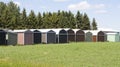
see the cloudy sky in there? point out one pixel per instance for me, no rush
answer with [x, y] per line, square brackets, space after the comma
[106, 12]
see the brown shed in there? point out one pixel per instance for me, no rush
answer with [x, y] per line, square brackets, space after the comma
[101, 36]
[80, 36]
[94, 38]
[25, 37]
[94, 35]
[71, 35]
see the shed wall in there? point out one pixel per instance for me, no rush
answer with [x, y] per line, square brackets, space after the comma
[12, 38]
[2, 38]
[37, 38]
[20, 39]
[51, 38]
[44, 38]
[28, 38]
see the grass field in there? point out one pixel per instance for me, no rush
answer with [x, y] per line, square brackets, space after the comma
[61, 55]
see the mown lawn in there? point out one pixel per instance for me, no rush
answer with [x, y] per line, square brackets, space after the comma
[61, 55]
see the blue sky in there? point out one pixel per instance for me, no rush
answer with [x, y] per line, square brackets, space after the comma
[106, 12]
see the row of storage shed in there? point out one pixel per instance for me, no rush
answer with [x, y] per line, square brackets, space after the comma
[36, 36]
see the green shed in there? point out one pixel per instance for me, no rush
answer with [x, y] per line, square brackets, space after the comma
[12, 38]
[113, 37]
[88, 37]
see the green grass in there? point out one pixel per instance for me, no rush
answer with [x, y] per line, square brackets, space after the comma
[61, 55]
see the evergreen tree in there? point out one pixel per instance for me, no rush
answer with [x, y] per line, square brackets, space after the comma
[31, 24]
[62, 20]
[14, 15]
[23, 19]
[39, 23]
[2, 11]
[5, 18]
[10, 17]
[71, 20]
[46, 23]
[86, 22]
[53, 20]
[94, 24]
[79, 21]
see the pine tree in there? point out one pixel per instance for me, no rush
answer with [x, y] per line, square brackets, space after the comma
[46, 23]
[62, 20]
[86, 22]
[23, 19]
[10, 17]
[14, 15]
[79, 22]
[71, 20]
[39, 23]
[32, 20]
[5, 18]
[2, 11]
[53, 19]
[94, 24]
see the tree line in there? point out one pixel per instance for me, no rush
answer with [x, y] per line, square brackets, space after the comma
[12, 18]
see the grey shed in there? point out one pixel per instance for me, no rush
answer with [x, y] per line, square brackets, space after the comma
[12, 38]
[48, 36]
[88, 37]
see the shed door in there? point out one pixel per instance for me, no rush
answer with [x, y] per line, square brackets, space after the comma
[51, 38]
[2, 38]
[37, 38]
[94, 38]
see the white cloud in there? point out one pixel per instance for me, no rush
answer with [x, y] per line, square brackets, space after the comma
[79, 6]
[100, 11]
[84, 5]
[17, 3]
[99, 6]
[60, 0]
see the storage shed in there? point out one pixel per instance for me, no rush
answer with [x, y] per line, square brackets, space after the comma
[94, 35]
[80, 36]
[37, 37]
[63, 36]
[48, 36]
[12, 38]
[57, 34]
[88, 37]
[113, 37]
[71, 35]
[101, 36]
[24, 37]
[3, 37]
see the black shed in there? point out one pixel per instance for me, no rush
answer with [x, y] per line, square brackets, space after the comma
[63, 37]
[3, 37]
[80, 36]
[71, 35]
[37, 36]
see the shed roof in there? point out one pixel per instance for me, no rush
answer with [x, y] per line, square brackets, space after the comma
[23, 30]
[94, 32]
[75, 30]
[113, 33]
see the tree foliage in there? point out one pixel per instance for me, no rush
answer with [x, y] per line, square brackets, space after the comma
[12, 18]
[94, 24]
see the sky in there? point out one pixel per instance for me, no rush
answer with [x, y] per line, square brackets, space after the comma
[106, 12]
